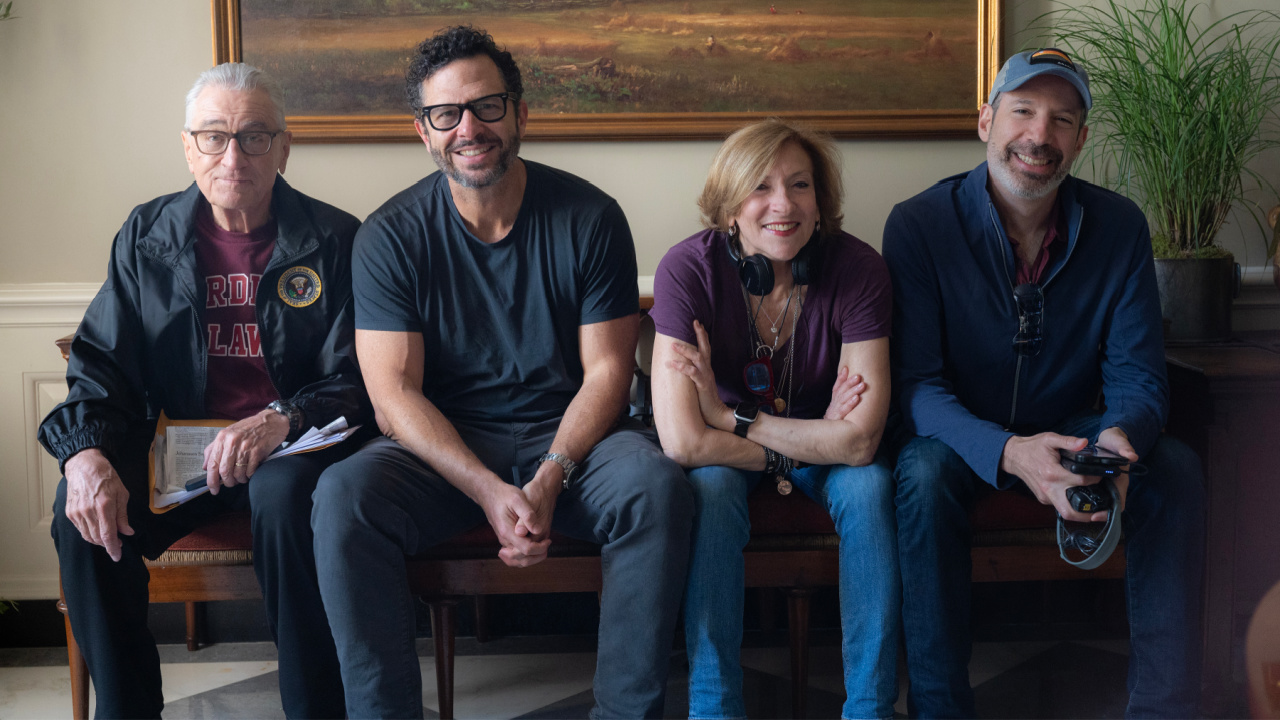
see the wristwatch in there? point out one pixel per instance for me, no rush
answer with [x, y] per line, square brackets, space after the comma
[570, 467]
[744, 414]
[290, 411]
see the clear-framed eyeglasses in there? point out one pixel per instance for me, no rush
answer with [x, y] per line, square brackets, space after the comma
[216, 142]
[447, 116]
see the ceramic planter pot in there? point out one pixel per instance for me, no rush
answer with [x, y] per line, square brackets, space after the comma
[1273, 217]
[1195, 298]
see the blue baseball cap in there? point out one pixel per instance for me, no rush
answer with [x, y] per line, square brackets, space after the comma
[1046, 61]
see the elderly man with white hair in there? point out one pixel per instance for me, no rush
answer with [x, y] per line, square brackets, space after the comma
[230, 300]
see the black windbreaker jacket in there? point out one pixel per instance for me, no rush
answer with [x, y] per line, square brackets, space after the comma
[141, 347]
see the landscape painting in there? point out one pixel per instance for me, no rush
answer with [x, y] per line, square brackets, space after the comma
[635, 68]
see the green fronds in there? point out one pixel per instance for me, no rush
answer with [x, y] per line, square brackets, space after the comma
[1180, 107]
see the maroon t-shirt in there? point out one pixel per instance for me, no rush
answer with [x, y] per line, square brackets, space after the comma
[850, 301]
[232, 264]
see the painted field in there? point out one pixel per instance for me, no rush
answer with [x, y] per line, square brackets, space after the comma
[609, 56]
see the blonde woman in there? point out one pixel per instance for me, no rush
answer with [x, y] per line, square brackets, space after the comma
[772, 363]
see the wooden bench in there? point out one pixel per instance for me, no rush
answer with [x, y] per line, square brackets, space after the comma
[1013, 541]
[793, 547]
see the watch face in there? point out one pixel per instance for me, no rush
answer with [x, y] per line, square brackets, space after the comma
[746, 412]
[290, 411]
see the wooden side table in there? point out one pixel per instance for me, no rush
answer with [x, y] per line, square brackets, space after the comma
[1226, 405]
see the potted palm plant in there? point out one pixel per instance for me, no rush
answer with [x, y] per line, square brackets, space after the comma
[1181, 105]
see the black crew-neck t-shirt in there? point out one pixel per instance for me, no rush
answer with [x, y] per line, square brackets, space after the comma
[500, 320]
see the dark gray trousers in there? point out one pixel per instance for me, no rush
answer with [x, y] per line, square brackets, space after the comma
[384, 503]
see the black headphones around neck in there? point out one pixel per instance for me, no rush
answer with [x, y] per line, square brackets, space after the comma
[756, 271]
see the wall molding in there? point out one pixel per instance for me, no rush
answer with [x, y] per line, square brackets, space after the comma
[44, 304]
[1256, 275]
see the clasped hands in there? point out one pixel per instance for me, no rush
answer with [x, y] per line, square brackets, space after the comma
[1036, 461]
[695, 364]
[521, 517]
[97, 500]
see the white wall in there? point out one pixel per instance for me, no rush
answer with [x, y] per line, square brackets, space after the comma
[91, 96]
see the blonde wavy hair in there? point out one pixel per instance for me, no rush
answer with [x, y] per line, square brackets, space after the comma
[747, 156]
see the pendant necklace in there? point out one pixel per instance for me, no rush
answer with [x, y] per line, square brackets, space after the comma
[788, 364]
[784, 485]
[763, 353]
[758, 373]
[782, 316]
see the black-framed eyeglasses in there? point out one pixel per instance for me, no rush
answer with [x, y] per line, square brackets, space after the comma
[216, 142]
[447, 116]
[1030, 336]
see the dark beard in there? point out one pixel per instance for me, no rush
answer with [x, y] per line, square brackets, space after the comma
[506, 156]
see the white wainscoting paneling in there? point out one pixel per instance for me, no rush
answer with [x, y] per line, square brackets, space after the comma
[32, 382]
[43, 392]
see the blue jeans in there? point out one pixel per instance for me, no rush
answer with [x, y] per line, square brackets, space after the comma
[860, 500]
[384, 503]
[1164, 525]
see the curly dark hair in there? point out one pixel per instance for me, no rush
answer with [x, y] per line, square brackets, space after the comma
[456, 43]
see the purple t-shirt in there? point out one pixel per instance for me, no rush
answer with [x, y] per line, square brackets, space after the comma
[850, 301]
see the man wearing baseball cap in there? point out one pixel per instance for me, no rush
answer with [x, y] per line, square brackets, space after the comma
[1027, 325]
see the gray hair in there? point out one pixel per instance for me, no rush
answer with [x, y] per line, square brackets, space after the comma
[241, 77]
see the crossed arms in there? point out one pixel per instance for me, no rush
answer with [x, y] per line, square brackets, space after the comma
[697, 427]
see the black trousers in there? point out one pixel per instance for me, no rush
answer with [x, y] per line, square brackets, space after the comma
[107, 601]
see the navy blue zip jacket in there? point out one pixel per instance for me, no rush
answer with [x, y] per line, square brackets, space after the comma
[953, 273]
[141, 347]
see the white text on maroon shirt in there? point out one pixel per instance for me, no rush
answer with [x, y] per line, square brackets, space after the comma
[241, 339]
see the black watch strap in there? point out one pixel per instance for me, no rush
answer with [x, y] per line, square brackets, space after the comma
[290, 411]
[744, 414]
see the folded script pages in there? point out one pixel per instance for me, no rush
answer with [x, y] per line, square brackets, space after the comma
[177, 455]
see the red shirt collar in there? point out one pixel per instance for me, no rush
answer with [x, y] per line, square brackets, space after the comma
[1033, 272]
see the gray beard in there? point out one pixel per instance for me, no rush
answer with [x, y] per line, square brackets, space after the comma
[1022, 187]
[506, 156]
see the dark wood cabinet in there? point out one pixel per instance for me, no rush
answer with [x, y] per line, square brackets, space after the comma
[1226, 405]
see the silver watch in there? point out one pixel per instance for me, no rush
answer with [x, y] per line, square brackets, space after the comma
[570, 467]
[291, 412]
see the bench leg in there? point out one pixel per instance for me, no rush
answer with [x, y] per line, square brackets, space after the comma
[79, 668]
[482, 617]
[768, 603]
[442, 632]
[798, 619]
[195, 625]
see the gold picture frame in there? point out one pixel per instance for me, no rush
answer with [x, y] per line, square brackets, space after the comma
[332, 127]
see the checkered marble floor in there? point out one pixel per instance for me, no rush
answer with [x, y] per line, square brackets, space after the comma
[551, 678]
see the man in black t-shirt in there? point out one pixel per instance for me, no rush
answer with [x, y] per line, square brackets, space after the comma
[497, 318]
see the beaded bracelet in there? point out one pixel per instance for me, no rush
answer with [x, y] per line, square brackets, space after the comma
[779, 466]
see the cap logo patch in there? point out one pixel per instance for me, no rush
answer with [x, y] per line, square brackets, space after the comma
[299, 286]
[1051, 55]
